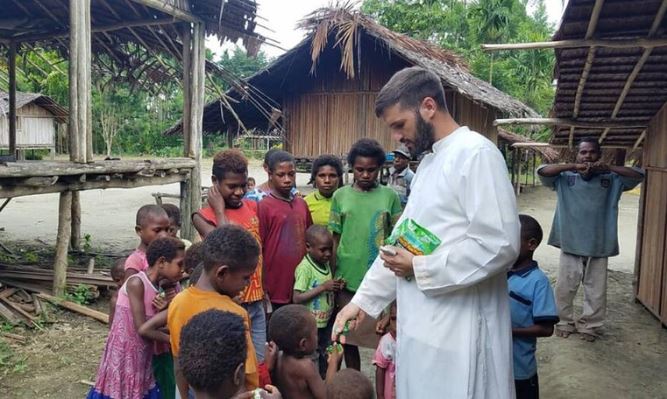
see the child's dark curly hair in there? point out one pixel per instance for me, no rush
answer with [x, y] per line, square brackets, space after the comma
[173, 213]
[277, 158]
[289, 325]
[327, 160]
[230, 245]
[167, 248]
[213, 344]
[193, 257]
[368, 148]
[349, 384]
[146, 212]
[229, 161]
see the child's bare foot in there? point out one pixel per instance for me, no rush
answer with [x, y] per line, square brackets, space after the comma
[562, 333]
[588, 337]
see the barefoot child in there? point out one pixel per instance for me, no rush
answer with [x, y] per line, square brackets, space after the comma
[385, 360]
[362, 217]
[226, 205]
[349, 384]
[314, 287]
[230, 259]
[117, 273]
[152, 223]
[283, 220]
[533, 309]
[327, 175]
[125, 369]
[294, 330]
[212, 357]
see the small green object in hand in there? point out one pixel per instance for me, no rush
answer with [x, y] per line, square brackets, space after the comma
[335, 346]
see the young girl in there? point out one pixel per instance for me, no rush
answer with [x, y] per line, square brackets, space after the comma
[125, 368]
[327, 176]
[384, 360]
[362, 216]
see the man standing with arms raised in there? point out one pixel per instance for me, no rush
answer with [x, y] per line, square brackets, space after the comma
[454, 334]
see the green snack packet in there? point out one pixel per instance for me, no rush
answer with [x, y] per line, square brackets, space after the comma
[414, 238]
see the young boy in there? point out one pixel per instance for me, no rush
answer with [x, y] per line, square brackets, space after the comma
[283, 220]
[400, 175]
[533, 308]
[327, 176]
[294, 331]
[213, 353]
[152, 223]
[314, 286]
[174, 215]
[362, 217]
[251, 191]
[227, 205]
[230, 259]
[349, 384]
[193, 258]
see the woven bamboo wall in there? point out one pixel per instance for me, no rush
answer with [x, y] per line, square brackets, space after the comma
[327, 113]
[652, 287]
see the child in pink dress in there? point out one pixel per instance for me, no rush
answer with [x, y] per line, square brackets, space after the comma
[125, 368]
[384, 360]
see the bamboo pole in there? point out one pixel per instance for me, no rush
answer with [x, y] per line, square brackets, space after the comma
[12, 99]
[179, 13]
[560, 44]
[567, 122]
[62, 242]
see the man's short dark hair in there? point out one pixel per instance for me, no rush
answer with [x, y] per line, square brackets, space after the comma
[590, 140]
[327, 160]
[530, 228]
[213, 344]
[288, 326]
[230, 245]
[166, 247]
[147, 212]
[408, 87]
[368, 148]
[229, 161]
[349, 384]
[279, 157]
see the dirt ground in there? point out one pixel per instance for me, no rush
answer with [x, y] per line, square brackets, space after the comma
[630, 361]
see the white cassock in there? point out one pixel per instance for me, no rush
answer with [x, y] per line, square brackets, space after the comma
[454, 332]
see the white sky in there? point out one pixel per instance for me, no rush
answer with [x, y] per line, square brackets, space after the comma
[281, 16]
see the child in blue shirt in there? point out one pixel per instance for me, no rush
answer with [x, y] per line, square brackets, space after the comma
[533, 309]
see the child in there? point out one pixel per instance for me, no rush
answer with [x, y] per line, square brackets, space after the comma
[327, 176]
[349, 384]
[283, 220]
[213, 353]
[362, 217]
[294, 330]
[384, 360]
[117, 273]
[227, 205]
[230, 259]
[533, 309]
[193, 258]
[314, 286]
[251, 192]
[125, 369]
[174, 215]
[152, 223]
[400, 175]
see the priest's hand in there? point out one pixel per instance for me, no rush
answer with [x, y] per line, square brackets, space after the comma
[350, 313]
[400, 264]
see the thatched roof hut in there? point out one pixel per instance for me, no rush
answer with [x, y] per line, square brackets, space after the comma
[321, 93]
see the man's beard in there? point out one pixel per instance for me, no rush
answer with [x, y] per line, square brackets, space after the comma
[424, 136]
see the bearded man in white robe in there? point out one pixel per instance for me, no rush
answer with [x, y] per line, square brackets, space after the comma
[454, 335]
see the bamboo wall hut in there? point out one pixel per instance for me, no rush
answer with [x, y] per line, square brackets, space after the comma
[36, 119]
[612, 85]
[144, 42]
[324, 89]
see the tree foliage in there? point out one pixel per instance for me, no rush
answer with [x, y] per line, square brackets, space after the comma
[463, 26]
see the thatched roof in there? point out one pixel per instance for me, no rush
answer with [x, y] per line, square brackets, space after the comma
[134, 40]
[344, 29]
[22, 99]
[548, 154]
[617, 87]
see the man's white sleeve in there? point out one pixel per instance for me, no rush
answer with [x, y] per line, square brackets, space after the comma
[377, 290]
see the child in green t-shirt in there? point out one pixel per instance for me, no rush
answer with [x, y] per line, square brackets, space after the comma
[314, 286]
[362, 217]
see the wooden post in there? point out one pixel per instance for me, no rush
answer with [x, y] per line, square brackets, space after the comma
[62, 243]
[186, 39]
[12, 99]
[75, 239]
[197, 93]
[79, 81]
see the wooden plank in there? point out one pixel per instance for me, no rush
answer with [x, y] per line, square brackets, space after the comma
[8, 315]
[179, 13]
[559, 44]
[75, 307]
[568, 122]
[15, 337]
[29, 318]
